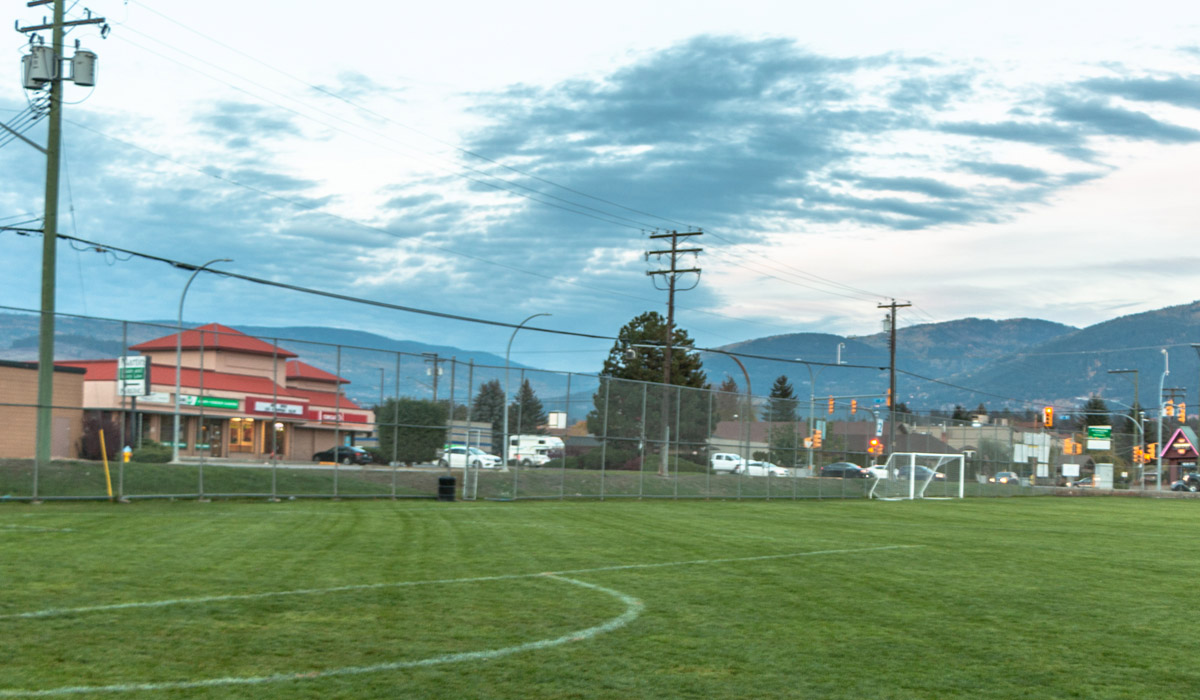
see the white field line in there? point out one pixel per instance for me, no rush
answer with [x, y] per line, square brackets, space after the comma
[33, 528]
[633, 608]
[55, 612]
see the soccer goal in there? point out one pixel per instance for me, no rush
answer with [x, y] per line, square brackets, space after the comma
[912, 475]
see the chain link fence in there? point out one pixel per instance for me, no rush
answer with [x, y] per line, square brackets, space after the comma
[314, 416]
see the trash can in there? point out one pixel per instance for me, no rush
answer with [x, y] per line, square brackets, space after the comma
[446, 486]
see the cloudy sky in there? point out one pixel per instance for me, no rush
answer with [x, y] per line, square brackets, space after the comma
[496, 160]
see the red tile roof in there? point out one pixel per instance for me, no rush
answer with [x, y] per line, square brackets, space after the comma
[302, 370]
[214, 336]
[164, 375]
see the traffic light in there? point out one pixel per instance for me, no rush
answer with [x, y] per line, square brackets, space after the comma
[1139, 456]
[1068, 446]
[1182, 412]
[816, 439]
[875, 447]
[1152, 451]
[1169, 408]
[853, 406]
[831, 404]
[1048, 416]
[889, 398]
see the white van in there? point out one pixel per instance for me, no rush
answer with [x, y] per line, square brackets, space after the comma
[726, 462]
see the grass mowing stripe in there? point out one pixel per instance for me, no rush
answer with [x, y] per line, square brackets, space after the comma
[633, 608]
[55, 612]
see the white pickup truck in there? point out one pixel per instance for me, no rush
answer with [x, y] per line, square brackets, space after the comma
[726, 463]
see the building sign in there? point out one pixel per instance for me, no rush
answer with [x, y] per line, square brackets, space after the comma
[156, 397]
[133, 375]
[209, 402]
[270, 408]
[335, 416]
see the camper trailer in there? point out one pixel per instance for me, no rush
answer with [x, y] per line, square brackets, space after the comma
[534, 450]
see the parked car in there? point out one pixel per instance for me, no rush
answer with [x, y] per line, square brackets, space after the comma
[1189, 482]
[877, 470]
[1086, 482]
[922, 473]
[725, 462]
[1005, 478]
[759, 468]
[845, 470]
[345, 455]
[459, 457]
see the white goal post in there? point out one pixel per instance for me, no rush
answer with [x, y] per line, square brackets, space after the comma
[913, 475]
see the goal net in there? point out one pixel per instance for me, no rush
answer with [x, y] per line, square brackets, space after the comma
[912, 475]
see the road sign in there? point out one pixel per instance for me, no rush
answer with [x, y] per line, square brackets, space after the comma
[1099, 437]
[133, 374]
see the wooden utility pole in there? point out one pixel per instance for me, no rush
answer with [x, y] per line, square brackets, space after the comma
[891, 446]
[45, 393]
[672, 275]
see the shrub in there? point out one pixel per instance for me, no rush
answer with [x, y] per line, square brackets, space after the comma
[152, 452]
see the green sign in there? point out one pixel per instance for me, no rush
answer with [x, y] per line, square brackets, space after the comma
[133, 373]
[1099, 432]
[209, 401]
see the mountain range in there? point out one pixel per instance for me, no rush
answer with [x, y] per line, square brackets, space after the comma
[1015, 364]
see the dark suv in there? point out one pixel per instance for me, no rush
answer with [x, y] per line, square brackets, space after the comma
[846, 470]
[345, 455]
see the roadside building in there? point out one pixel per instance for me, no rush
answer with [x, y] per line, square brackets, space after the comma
[239, 397]
[18, 410]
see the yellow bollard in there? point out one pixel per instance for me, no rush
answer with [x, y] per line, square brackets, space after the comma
[104, 455]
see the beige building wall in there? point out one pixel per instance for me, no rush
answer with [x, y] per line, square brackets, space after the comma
[18, 423]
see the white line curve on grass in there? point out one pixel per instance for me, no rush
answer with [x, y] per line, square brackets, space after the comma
[633, 608]
[200, 600]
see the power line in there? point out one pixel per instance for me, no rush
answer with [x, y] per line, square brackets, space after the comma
[808, 276]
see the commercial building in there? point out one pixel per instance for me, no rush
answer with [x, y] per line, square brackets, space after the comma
[18, 410]
[239, 397]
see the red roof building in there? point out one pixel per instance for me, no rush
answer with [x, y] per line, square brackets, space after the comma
[239, 397]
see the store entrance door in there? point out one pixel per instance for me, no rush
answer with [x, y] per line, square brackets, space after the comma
[241, 435]
[212, 437]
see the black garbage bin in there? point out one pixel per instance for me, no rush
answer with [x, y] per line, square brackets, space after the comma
[446, 488]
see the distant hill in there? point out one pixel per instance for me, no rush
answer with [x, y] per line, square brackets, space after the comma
[934, 350]
[1005, 363]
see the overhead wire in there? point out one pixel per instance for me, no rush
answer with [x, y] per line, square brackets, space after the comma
[376, 229]
[474, 154]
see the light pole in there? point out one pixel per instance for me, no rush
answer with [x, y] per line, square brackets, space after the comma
[179, 355]
[1136, 399]
[1158, 446]
[504, 429]
[812, 396]
[1196, 347]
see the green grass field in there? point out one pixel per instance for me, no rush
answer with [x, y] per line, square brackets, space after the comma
[983, 598]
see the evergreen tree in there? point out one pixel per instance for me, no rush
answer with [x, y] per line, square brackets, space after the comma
[526, 414]
[488, 407]
[728, 400]
[781, 404]
[1095, 412]
[415, 427]
[635, 408]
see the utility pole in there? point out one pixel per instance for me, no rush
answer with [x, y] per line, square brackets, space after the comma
[432, 357]
[672, 275]
[42, 67]
[892, 372]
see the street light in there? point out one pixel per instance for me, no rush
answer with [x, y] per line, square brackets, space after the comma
[504, 429]
[1161, 383]
[179, 355]
[812, 396]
